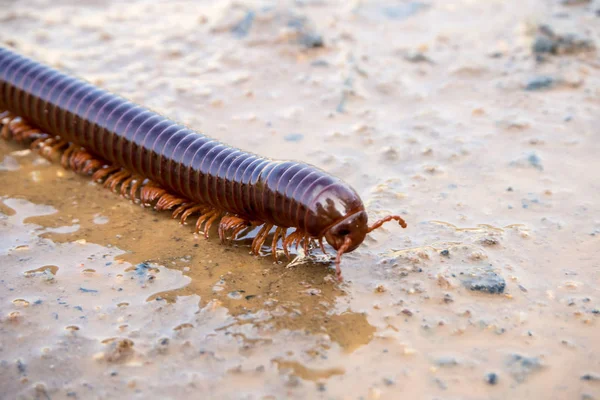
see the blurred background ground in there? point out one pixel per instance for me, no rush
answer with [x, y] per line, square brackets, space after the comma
[476, 120]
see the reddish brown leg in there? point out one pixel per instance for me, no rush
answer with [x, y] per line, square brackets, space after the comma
[239, 228]
[51, 152]
[289, 241]
[104, 172]
[114, 180]
[338, 258]
[387, 219]
[210, 222]
[230, 222]
[150, 192]
[125, 186]
[133, 193]
[322, 246]
[203, 218]
[64, 159]
[305, 243]
[279, 232]
[31, 134]
[168, 201]
[260, 238]
[190, 211]
[6, 120]
[298, 240]
[224, 223]
[179, 210]
[42, 143]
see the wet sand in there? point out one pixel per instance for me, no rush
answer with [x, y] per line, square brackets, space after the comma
[476, 121]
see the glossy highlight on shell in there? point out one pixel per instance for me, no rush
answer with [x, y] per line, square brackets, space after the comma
[160, 163]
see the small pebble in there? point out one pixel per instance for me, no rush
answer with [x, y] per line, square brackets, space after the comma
[491, 378]
[539, 83]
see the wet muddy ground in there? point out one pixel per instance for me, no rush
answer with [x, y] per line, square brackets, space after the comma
[475, 120]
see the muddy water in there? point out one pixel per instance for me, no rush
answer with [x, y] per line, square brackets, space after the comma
[439, 111]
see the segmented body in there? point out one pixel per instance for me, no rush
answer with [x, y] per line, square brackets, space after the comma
[156, 159]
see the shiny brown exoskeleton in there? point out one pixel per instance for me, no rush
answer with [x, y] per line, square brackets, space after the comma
[161, 162]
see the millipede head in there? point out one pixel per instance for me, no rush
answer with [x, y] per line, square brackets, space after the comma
[350, 231]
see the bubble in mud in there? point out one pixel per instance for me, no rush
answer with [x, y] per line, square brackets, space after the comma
[14, 316]
[46, 270]
[183, 326]
[100, 219]
[21, 303]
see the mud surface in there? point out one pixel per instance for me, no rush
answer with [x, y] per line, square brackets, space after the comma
[476, 120]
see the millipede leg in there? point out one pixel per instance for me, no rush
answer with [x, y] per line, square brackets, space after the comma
[203, 218]
[64, 159]
[103, 173]
[167, 201]
[278, 232]
[5, 121]
[114, 180]
[260, 238]
[134, 188]
[322, 246]
[210, 222]
[52, 151]
[189, 210]
[125, 185]
[236, 229]
[150, 192]
[338, 258]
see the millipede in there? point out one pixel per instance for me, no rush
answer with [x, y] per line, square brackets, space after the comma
[160, 163]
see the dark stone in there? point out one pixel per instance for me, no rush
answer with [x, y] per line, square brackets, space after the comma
[535, 161]
[445, 253]
[446, 362]
[548, 42]
[389, 381]
[591, 377]
[574, 2]
[320, 63]
[403, 10]
[417, 57]
[306, 35]
[84, 290]
[487, 281]
[311, 40]
[293, 137]
[242, 28]
[521, 367]
[540, 83]
[544, 44]
[142, 268]
[21, 367]
[491, 378]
